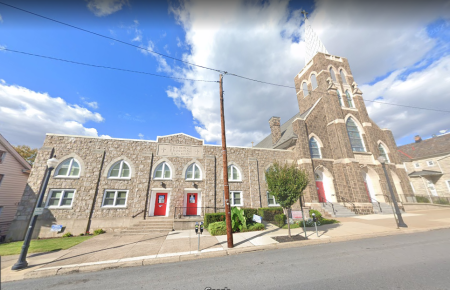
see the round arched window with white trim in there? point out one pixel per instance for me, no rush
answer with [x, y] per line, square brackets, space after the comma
[314, 148]
[344, 81]
[163, 171]
[193, 172]
[383, 152]
[305, 89]
[233, 173]
[341, 102]
[332, 74]
[313, 81]
[120, 169]
[355, 136]
[349, 99]
[68, 168]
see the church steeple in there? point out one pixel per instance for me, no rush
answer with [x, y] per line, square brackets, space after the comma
[313, 43]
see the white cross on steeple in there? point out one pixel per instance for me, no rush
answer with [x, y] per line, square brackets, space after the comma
[313, 43]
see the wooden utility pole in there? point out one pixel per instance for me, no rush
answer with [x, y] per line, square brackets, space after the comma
[225, 170]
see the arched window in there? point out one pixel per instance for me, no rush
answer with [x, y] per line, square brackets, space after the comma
[233, 173]
[305, 90]
[120, 169]
[383, 152]
[340, 98]
[355, 136]
[344, 81]
[314, 148]
[193, 172]
[68, 168]
[333, 75]
[313, 81]
[163, 171]
[349, 99]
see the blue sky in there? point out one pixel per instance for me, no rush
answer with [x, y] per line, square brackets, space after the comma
[260, 39]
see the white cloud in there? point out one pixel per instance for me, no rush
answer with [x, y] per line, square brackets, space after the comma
[426, 89]
[258, 41]
[141, 136]
[105, 7]
[93, 105]
[26, 116]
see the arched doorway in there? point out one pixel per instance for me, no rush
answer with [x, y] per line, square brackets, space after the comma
[372, 184]
[398, 186]
[324, 185]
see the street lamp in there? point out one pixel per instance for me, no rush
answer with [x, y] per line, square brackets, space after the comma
[401, 223]
[22, 262]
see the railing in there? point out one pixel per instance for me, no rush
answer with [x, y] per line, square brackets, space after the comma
[193, 211]
[348, 201]
[433, 199]
[137, 214]
[324, 201]
[379, 205]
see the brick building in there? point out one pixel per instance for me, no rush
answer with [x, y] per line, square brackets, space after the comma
[113, 183]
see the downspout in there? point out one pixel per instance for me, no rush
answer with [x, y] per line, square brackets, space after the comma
[148, 188]
[215, 184]
[91, 212]
[259, 183]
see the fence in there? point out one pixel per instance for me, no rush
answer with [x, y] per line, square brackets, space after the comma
[433, 199]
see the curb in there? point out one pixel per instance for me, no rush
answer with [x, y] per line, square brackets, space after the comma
[189, 256]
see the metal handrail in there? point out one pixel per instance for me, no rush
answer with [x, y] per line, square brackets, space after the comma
[346, 200]
[379, 205]
[137, 214]
[325, 201]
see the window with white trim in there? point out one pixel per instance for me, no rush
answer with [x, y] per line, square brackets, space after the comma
[163, 171]
[233, 173]
[60, 198]
[193, 172]
[2, 156]
[305, 89]
[430, 163]
[68, 168]
[341, 102]
[236, 198]
[344, 81]
[332, 74]
[314, 148]
[383, 152]
[416, 164]
[115, 198]
[349, 99]
[355, 136]
[271, 200]
[313, 81]
[120, 169]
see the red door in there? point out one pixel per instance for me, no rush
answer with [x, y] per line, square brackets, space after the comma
[160, 204]
[191, 204]
[321, 191]
[367, 190]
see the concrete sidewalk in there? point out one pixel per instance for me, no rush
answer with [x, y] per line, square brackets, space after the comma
[108, 251]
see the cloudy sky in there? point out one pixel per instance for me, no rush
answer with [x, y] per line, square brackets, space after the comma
[398, 54]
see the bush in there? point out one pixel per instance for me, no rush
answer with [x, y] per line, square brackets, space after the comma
[255, 227]
[324, 221]
[98, 232]
[249, 212]
[67, 235]
[238, 220]
[280, 220]
[294, 226]
[214, 217]
[217, 228]
[422, 199]
[82, 234]
[441, 201]
[317, 213]
[268, 213]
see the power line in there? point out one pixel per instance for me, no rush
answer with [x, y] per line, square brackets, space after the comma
[110, 38]
[102, 66]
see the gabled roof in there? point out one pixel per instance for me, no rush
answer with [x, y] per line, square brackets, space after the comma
[436, 146]
[287, 132]
[14, 153]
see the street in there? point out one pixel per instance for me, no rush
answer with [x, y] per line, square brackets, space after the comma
[408, 261]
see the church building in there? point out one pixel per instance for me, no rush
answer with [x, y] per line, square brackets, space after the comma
[115, 183]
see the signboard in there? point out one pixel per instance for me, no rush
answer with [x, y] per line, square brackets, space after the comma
[180, 150]
[297, 214]
[257, 218]
[38, 211]
[56, 228]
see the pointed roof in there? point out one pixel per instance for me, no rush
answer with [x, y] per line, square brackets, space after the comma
[313, 43]
[14, 153]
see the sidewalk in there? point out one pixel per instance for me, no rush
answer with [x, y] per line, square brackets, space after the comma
[108, 251]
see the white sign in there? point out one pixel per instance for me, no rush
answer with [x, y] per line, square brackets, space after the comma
[38, 211]
[296, 215]
[257, 218]
[56, 228]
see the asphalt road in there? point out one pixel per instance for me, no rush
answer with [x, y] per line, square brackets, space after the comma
[410, 261]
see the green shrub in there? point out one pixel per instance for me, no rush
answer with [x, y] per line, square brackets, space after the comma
[324, 221]
[238, 220]
[82, 234]
[249, 212]
[67, 235]
[98, 232]
[254, 227]
[268, 213]
[317, 213]
[217, 228]
[294, 226]
[422, 199]
[280, 220]
[441, 201]
[214, 217]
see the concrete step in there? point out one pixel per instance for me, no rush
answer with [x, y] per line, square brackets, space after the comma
[385, 208]
[339, 210]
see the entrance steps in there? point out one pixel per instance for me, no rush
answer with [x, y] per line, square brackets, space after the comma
[148, 226]
[339, 210]
[386, 208]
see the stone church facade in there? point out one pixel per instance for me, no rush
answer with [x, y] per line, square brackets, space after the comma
[114, 183]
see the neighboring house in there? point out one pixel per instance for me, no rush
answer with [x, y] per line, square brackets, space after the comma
[14, 172]
[427, 163]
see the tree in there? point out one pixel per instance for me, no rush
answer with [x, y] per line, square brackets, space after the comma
[27, 153]
[286, 183]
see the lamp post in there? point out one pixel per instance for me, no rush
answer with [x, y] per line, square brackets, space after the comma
[401, 223]
[22, 262]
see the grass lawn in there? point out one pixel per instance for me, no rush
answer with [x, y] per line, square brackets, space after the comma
[44, 245]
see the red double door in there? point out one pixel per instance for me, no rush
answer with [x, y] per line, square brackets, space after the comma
[321, 191]
[160, 204]
[192, 200]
